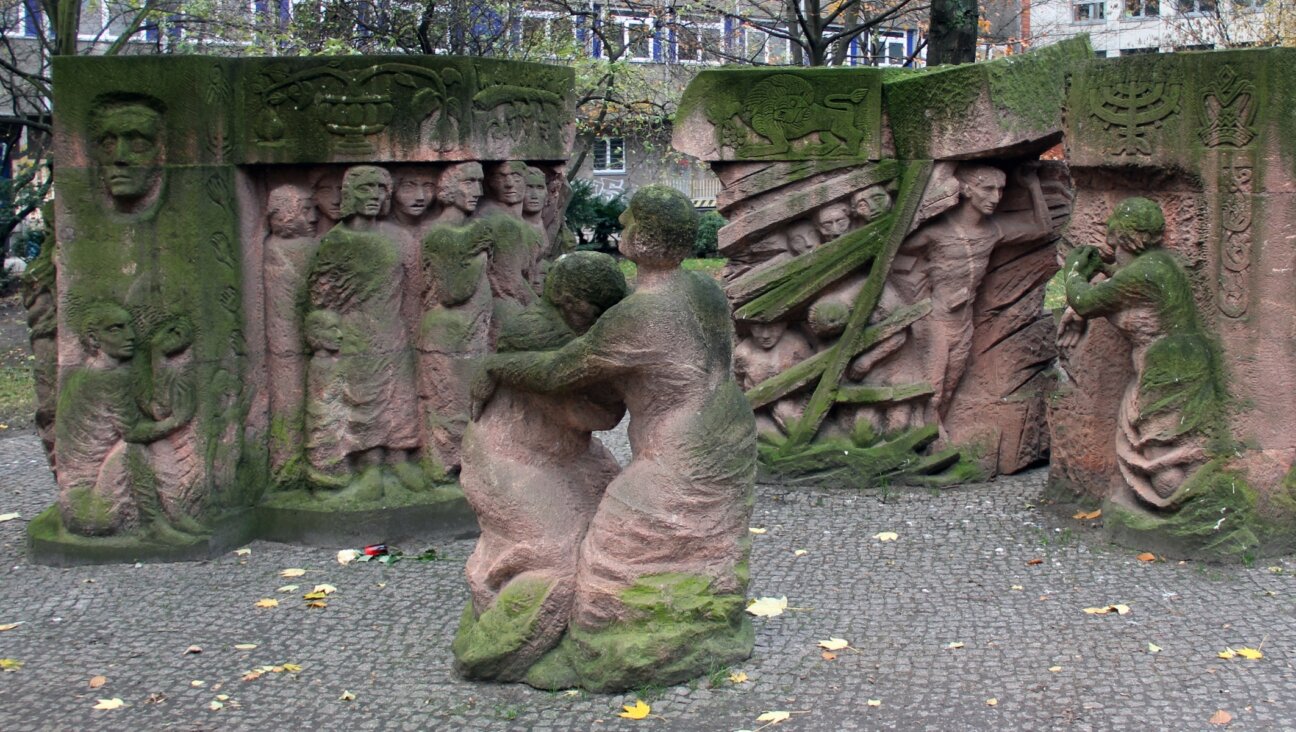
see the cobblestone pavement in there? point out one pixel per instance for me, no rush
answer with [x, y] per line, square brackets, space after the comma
[976, 565]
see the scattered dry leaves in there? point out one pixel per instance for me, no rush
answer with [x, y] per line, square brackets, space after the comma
[267, 602]
[113, 703]
[768, 607]
[98, 681]
[292, 572]
[1220, 717]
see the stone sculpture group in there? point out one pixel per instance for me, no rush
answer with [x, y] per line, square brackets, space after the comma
[320, 300]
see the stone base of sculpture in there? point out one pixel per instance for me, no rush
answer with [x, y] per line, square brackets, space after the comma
[299, 518]
[49, 542]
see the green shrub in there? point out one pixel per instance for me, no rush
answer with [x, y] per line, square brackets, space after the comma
[707, 243]
[594, 219]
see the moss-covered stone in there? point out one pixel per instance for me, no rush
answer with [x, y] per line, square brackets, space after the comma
[485, 644]
[681, 629]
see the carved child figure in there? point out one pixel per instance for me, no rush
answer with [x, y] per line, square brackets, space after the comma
[326, 411]
[1177, 394]
[771, 349]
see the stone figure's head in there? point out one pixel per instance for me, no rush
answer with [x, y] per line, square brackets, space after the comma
[326, 187]
[366, 192]
[870, 204]
[832, 221]
[460, 186]
[802, 237]
[767, 335]
[415, 191]
[1135, 225]
[106, 328]
[537, 191]
[508, 182]
[981, 186]
[660, 226]
[126, 146]
[322, 330]
[291, 212]
[174, 335]
[582, 285]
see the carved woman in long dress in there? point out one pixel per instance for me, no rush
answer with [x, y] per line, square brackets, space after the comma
[1177, 394]
[534, 476]
[359, 274]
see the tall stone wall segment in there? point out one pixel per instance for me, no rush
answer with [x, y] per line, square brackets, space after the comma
[890, 234]
[1205, 137]
[270, 274]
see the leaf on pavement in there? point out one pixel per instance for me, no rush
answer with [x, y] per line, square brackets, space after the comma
[834, 644]
[992, 702]
[1106, 609]
[756, 530]
[11, 626]
[1146, 557]
[113, 703]
[828, 656]
[954, 644]
[768, 607]
[289, 588]
[10, 664]
[317, 604]
[325, 589]
[243, 551]
[1251, 654]
[244, 646]
[874, 702]
[1088, 515]
[8, 517]
[1154, 648]
[292, 572]
[886, 536]
[638, 710]
[737, 677]
[800, 552]
[347, 556]
[267, 602]
[1220, 717]
[192, 649]
[774, 717]
[1033, 562]
[98, 681]
[346, 696]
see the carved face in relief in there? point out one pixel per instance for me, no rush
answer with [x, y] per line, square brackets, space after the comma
[366, 192]
[802, 237]
[127, 149]
[327, 192]
[767, 335]
[415, 191]
[323, 331]
[291, 212]
[537, 192]
[508, 182]
[981, 186]
[108, 330]
[174, 335]
[870, 204]
[460, 186]
[832, 221]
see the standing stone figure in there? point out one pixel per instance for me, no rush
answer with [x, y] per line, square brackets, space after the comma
[358, 273]
[289, 249]
[953, 254]
[1176, 398]
[39, 297]
[326, 188]
[772, 349]
[127, 151]
[534, 476]
[665, 559]
[168, 401]
[533, 201]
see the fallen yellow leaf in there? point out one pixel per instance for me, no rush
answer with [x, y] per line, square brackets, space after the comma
[737, 677]
[289, 588]
[1055, 669]
[98, 681]
[1275, 570]
[800, 552]
[768, 607]
[252, 675]
[244, 646]
[834, 644]
[267, 602]
[292, 668]
[1220, 717]
[346, 696]
[954, 644]
[874, 702]
[828, 656]
[317, 604]
[243, 551]
[292, 572]
[314, 596]
[638, 710]
[10, 626]
[774, 717]
[755, 530]
[1016, 588]
[1105, 609]
[326, 589]
[1154, 648]
[1089, 515]
[886, 536]
[113, 703]
[10, 664]
[1146, 557]
[215, 705]
[992, 702]
[7, 517]
[197, 683]
[1252, 654]
[1121, 609]
[192, 649]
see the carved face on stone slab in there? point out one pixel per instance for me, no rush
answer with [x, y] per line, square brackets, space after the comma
[327, 191]
[415, 191]
[128, 149]
[323, 331]
[508, 182]
[460, 186]
[107, 329]
[802, 237]
[291, 212]
[537, 192]
[981, 186]
[832, 221]
[366, 192]
[870, 204]
[767, 335]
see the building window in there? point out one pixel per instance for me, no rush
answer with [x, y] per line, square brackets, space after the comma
[889, 49]
[1142, 8]
[696, 41]
[32, 18]
[636, 37]
[761, 48]
[1090, 12]
[1139, 51]
[1248, 4]
[609, 155]
[1197, 7]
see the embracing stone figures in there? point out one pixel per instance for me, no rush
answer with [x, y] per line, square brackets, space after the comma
[640, 577]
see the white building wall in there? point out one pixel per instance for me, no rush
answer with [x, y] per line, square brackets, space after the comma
[1119, 32]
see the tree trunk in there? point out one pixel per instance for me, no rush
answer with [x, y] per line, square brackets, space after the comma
[952, 38]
